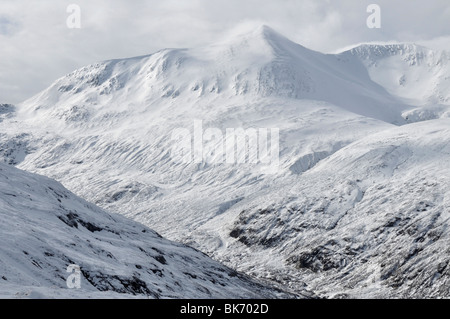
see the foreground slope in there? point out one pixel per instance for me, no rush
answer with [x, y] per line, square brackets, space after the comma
[44, 228]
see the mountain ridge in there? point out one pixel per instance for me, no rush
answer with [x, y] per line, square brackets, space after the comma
[260, 63]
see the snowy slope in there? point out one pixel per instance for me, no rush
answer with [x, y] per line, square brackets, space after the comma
[415, 74]
[131, 171]
[44, 228]
[412, 72]
[372, 220]
[104, 131]
[5, 111]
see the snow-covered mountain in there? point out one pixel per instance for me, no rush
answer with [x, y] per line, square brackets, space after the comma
[412, 72]
[45, 228]
[345, 124]
[253, 65]
[371, 220]
[415, 74]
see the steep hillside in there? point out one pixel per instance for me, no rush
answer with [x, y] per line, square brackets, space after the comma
[44, 229]
[415, 74]
[372, 220]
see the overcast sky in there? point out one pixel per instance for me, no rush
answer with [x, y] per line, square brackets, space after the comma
[37, 47]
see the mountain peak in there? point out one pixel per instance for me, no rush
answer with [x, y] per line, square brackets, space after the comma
[262, 36]
[268, 33]
[273, 37]
[261, 31]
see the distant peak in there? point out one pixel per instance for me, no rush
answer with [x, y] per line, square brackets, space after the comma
[262, 38]
[268, 33]
[260, 33]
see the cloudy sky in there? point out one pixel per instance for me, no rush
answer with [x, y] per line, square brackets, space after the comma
[37, 47]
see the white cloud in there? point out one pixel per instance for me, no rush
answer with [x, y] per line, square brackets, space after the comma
[36, 47]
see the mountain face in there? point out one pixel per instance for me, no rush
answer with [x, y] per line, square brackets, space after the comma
[370, 220]
[357, 205]
[414, 74]
[259, 64]
[5, 111]
[411, 72]
[45, 228]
